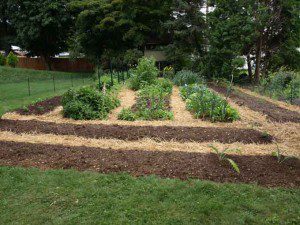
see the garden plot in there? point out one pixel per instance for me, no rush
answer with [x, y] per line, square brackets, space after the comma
[273, 112]
[261, 170]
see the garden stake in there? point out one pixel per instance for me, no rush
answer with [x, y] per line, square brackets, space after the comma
[28, 84]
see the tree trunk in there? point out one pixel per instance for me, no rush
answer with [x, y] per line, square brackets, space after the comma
[258, 59]
[249, 67]
[47, 62]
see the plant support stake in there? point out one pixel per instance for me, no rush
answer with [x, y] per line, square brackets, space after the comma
[28, 85]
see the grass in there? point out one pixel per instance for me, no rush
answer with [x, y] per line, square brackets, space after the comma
[14, 85]
[31, 196]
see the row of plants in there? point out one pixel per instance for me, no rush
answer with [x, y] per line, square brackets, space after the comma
[206, 104]
[153, 94]
[282, 85]
[201, 101]
[11, 60]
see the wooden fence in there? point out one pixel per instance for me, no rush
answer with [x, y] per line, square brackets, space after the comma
[57, 64]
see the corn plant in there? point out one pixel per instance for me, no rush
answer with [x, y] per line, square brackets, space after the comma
[280, 157]
[223, 156]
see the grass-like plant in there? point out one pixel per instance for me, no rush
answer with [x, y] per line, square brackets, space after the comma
[222, 155]
[278, 154]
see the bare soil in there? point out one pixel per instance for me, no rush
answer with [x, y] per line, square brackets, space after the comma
[260, 170]
[132, 133]
[42, 107]
[273, 112]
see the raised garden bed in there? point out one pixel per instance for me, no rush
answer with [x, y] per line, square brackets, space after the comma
[131, 133]
[261, 170]
[273, 112]
[41, 107]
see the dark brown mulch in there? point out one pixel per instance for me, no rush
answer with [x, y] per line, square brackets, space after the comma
[42, 107]
[132, 133]
[273, 112]
[261, 170]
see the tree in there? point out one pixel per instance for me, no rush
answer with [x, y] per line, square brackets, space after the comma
[42, 26]
[106, 29]
[262, 31]
[6, 30]
[187, 27]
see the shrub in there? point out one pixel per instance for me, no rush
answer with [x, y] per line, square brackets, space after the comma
[144, 74]
[2, 60]
[184, 77]
[206, 104]
[282, 85]
[166, 85]
[12, 60]
[127, 114]
[88, 103]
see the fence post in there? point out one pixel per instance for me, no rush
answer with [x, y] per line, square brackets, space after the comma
[54, 87]
[28, 85]
[72, 79]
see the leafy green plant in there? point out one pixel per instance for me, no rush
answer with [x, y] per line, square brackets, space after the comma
[2, 60]
[88, 103]
[145, 73]
[206, 104]
[186, 77]
[223, 156]
[282, 85]
[152, 103]
[166, 85]
[127, 114]
[280, 157]
[12, 60]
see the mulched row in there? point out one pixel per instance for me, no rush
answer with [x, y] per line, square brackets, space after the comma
[42, 107]
[260, 170]
[133, 133]
[273, 112]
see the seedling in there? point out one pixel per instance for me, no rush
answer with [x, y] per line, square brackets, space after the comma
[223, 156]
[280, 157]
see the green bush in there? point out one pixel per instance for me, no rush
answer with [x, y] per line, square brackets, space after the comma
[184, 77]
[127, 114]
[166, 85]
[2, 60]
[282, 85]
[12, 60]
[206, 104]
[145, 73]
[88, 103]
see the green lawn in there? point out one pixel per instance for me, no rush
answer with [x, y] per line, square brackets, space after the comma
[14, 85]
[31, 196]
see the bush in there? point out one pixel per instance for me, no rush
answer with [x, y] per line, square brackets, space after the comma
[2, 60]
[282, 85]
[184, 77]
[146, 73]
[166, 85]
[88, 103]
[127, 114]
[12, 60]
[206, 104]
